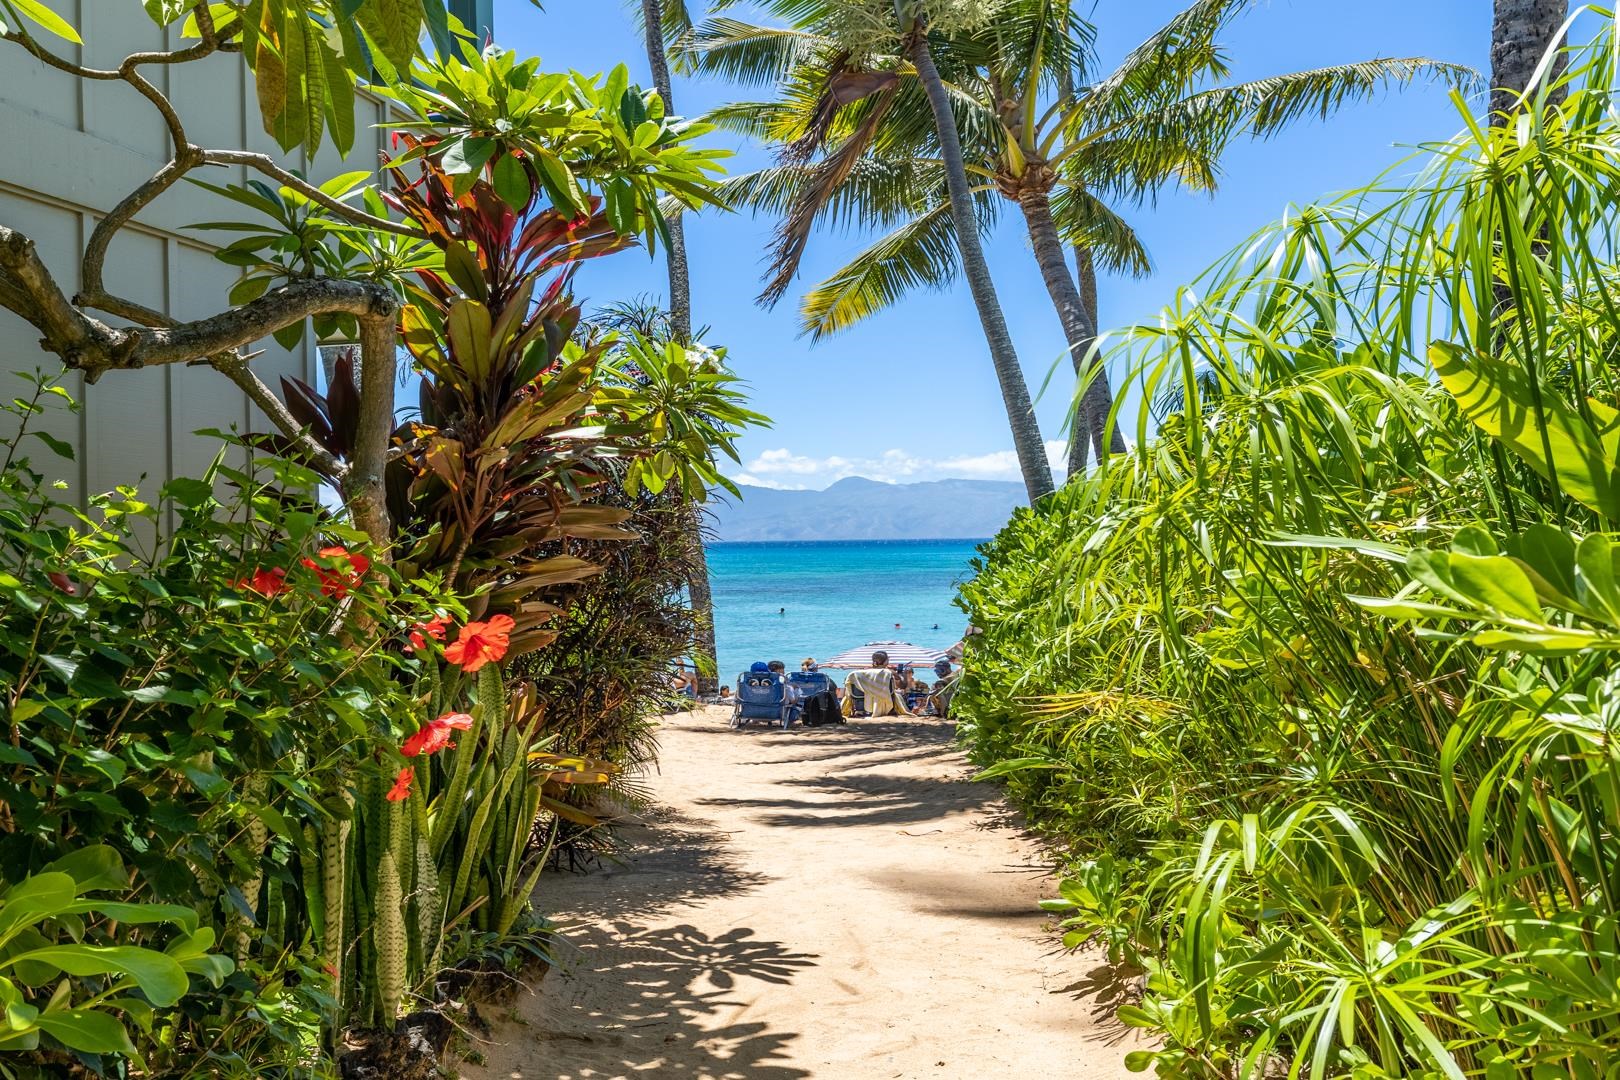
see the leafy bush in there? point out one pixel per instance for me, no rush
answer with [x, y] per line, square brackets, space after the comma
[194, 704]
[1317, 682]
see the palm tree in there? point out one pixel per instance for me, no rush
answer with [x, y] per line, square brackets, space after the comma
[1027, 442]
[852, 92]
[659, 23]
[1061, 154]
[1522, 31]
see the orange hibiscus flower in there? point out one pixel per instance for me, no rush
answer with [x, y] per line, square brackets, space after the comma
[402, 785]
[271, 582]
[337, 583]
[434, 736]
[434, 628]
[480, 642]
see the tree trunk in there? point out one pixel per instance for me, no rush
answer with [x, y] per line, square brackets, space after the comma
[1026, 433]
[680, 318]
[1521, 33]
[1079, 331]
[364, 489]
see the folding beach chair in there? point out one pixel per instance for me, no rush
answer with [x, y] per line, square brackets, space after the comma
[763, 695]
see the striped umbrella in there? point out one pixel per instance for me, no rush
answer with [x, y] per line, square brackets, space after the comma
[900, 652]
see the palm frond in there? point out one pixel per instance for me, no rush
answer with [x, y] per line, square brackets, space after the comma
[1172, 60]
[1087, 222]
[1273, 103]
[830, 173]
[746, 53]
[767, 121]
[877, 193]
[920, 254]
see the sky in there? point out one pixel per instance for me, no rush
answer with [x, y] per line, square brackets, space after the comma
[910, 394]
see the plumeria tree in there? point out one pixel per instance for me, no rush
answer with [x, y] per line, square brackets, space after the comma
[571, 137]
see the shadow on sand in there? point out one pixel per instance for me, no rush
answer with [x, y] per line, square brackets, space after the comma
[869, 773]
[634, 1002]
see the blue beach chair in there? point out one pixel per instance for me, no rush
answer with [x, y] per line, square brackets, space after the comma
[763, 695]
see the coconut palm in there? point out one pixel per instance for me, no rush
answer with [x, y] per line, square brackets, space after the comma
[865, 78]
[1522, 32]
[1060, 147]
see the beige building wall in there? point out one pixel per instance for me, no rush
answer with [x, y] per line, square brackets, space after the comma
[72, 149]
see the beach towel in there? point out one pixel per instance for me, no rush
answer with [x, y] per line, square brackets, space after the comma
[876, 685]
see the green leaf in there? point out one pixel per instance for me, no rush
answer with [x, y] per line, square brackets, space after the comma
[160, 977]
[47, 19]
[1501, 400]
[1492, 583]
[468, 328]
[188, 491]
[86, 1030]
[512, 182]
[1595, 577]
[58, 447]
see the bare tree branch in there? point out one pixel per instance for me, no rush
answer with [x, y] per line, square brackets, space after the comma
[364, 489]
[94, 347]
[234, 366]
[91, 266]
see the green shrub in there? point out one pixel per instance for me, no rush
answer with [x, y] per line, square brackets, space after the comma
[195, 705]
[1317, 682]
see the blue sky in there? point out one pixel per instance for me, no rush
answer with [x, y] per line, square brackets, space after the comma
[909, 394]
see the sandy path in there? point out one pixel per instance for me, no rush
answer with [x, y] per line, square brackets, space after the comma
[836, 903]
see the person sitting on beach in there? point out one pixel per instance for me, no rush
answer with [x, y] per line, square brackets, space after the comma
[945, 683]
[878, 688]
[793, 694]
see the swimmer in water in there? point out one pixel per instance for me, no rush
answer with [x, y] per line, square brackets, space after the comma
[781, 611]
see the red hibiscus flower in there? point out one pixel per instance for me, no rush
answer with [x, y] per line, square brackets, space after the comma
[434, 628]
[435, 735]
[271, 582]
[62, 583]
[402, 785]
[337, 583]
[480, 642]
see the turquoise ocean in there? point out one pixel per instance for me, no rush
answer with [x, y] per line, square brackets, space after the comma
[838, 594]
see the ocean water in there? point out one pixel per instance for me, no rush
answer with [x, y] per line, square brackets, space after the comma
[838, 594]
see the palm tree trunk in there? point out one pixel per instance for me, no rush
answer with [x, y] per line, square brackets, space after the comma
[1079, 330]
[680, 285]
[1032, 463]
[1521, 33]
[1086, 271]
[680, 316]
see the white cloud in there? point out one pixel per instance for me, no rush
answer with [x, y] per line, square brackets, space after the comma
[783, 469]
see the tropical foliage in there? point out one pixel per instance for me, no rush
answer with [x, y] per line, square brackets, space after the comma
[1316, 682]
[268, 785]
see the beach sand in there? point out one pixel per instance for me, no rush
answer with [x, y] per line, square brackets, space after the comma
[833, 903]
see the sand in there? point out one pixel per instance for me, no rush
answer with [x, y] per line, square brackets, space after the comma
[832, 903]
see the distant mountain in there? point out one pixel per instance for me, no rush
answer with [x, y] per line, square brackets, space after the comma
[859, 509]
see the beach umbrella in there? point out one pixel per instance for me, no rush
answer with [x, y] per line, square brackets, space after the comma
[900, 652]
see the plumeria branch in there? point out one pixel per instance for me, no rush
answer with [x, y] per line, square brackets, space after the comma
[88, 344]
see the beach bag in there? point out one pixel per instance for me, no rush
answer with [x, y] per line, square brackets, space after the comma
[821, 708]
